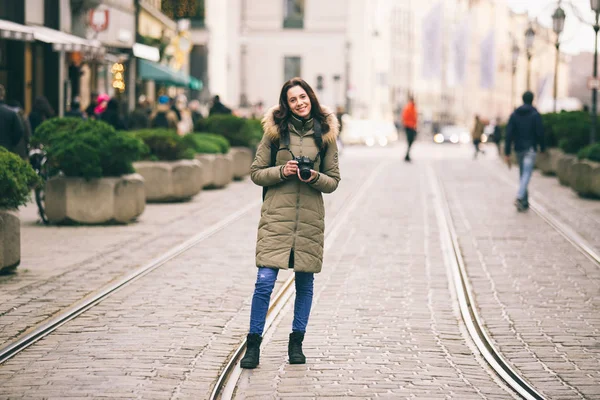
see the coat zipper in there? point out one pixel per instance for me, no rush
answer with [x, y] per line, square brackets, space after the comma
[297, 201]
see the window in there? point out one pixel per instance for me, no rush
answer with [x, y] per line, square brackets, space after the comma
[293, 14]
[291, 68]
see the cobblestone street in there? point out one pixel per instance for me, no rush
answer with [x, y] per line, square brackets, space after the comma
[385, 321]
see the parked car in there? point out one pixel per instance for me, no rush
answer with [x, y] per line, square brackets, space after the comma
[452, 134]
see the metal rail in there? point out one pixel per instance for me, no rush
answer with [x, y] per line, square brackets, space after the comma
[82, 306]
[569, 234]
[227, 381]
[464, 292]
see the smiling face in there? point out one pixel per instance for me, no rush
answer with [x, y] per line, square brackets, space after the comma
[298, 101]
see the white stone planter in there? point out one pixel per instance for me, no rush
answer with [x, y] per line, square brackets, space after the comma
[167, 181]
[221, 169]
[564, 168]
[585, 178]
[242, 161]
[10, 240]
[97, 201]
[208, 168]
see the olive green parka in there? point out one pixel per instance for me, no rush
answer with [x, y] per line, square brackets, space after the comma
[292, 223]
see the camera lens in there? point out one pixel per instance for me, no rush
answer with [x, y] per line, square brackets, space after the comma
[304, 172]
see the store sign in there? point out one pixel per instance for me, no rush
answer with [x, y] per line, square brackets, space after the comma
[146, 52]
[98, 19]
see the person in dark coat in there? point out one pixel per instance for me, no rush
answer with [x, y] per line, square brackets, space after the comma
[218, 107]
[526, 132]
[42, 110]
[75, 111]
[139, 117]
[11, 128]
[112, 117]
[22, 148]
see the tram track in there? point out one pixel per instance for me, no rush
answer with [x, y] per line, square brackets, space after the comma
[49, 326]
[563, 229]
[466, 299]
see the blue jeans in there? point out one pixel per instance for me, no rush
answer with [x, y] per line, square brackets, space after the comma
[265, 281]
[526, 161]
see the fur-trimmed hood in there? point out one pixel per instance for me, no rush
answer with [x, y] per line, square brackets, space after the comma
[271, 129]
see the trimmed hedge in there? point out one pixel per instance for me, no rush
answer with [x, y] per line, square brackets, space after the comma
[591, 152]
[88, 149]
[164, 145]
[16, 180]
[219, 140]
[570, 131]
[238, 131]
[201, 145]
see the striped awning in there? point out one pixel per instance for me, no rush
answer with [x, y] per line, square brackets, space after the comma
[13, 31]
[62, 41]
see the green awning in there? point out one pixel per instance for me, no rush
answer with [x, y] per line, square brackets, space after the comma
[151, 71]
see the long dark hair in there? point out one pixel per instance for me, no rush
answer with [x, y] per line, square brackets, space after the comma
[283, 114]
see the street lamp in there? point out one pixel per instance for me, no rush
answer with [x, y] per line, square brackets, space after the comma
[558, 24]
[529, 38]
[515, 58]
[595, 5]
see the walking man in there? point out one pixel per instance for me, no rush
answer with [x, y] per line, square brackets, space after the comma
[526, 131]
[409, 120]
[11, 128]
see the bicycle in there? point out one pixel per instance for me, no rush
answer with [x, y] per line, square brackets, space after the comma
[39, 162]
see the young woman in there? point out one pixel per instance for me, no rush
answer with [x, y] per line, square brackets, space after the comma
[291, 228]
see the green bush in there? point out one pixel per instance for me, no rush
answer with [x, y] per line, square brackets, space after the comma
[569, 130]
[57, 125]
[219, 140]
[591, 152]
[165, 145]
[202, 145]
[549, 122]
[238, 131]
[88, 149]
[16, 180]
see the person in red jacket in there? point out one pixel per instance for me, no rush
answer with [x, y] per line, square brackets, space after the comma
[409, 120]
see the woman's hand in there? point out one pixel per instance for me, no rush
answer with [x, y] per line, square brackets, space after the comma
[313, 175]
[290, 168]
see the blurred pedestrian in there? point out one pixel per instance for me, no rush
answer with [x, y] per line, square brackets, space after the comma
[112, 115]
[497, 136]
[101, 104]
[163, 116]
[11, 128]
[139, 117]
[90, 109]
[21, 148]
[409, 120]
[526, 131]
[185, 124]
[291, 237]
[195, 112]
[41, 111]
[75, 111]
[218, 107]
[476, 134]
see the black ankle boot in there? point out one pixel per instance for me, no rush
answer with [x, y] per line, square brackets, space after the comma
[252, 356]
[295, 348]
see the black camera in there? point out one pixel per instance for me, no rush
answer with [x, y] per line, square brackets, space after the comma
[305, 164]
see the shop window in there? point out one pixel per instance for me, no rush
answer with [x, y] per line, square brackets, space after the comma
[293, 14]
[292, 67]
